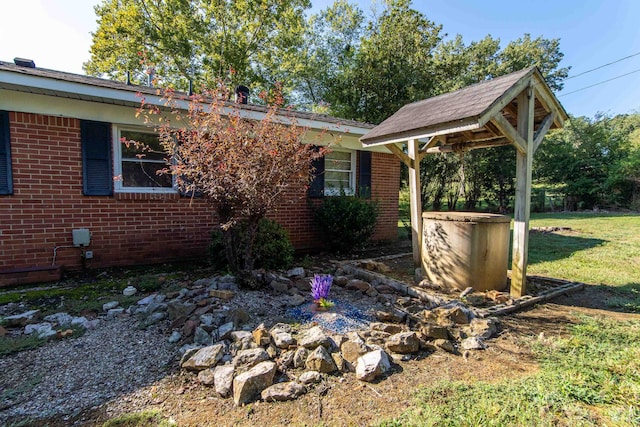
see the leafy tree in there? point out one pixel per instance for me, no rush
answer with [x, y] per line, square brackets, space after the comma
[251, 42]
[242, 167]
[595, 161]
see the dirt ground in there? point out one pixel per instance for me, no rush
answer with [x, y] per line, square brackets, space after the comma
[345, 401]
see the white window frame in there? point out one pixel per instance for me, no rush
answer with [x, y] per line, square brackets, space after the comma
[332, 191]
[117, 164]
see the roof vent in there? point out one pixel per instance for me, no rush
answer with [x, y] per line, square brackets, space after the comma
[242, 94]
[22, 62]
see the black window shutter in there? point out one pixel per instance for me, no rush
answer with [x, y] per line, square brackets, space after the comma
[97, 177]
[6, 183]
[364, 175]
[316, 189]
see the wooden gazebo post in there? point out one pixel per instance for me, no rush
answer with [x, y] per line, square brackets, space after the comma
[415, 201]
[522, 208]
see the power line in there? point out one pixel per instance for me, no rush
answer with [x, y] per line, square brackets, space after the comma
[605, 65]
[599, 83]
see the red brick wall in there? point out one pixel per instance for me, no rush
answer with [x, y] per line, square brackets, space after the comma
[48, 204]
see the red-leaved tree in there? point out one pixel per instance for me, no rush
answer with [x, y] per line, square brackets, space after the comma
[241, 166]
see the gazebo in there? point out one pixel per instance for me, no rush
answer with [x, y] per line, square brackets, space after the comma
[518, 109]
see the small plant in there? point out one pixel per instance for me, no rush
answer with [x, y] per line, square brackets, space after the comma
[272, 248]
[347, 221]
[320, 287]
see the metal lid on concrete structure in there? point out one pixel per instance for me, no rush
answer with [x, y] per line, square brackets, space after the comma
[466, 216]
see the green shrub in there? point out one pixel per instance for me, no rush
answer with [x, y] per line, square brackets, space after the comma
[348, 222]
[272, 248]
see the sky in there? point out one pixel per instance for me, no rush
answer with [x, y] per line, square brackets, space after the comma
[56, 34]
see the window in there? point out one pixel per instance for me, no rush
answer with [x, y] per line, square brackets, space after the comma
[6, 186]
[136, 167]
[339, 167]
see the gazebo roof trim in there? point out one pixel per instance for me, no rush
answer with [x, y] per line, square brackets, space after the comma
[454, 110]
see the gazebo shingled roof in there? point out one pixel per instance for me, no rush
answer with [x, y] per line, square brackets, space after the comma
[518, 109]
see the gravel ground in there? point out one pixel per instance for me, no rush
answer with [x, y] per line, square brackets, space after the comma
[65, 377]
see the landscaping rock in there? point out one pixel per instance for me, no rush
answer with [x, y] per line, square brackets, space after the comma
[283, 391]
[310, 377]
[445, 345]
[129, 291]
[204, 358]
[372, 365]
[473, 343]
[206, 377]
[175, 337]
[202, 337]
[261, 335]
[225, 330]
[353, 348]
[282, 339]
[386, 327]
[340, 281]
[300, 357]
[456, 315]
[177, 309]
[483, 328]
[357, 285]
[392, 315]
[240, 336]
[431, 332]
[314, 337]
[42, 330]
[246, 359]
[147, 300]
[115, 312]
[320, 360]
[225, 295]
[297, 272]
[223, 379]
[403, 343]
[248, 385]
[279, 287]
[60, 319]
[109, 305]
[20, 320]
[238, 317]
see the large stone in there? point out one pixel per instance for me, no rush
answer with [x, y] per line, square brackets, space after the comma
[176, 309]
[297, 272]
[236, 336]
[372, 365]
[445, 345]
[60, 319]
[353, 348]
[248, 385]
[246, 359]
[434, 332]
[392, 315]
[300, 357]
[42, 330]
[206, 377]
[357, 285]
[261, 335]
[310, 377]
[238, 316]
[222, 294]
[456, 314]
[204, 358]
[109, 305]
[386, 327]
[320, 360]
[473, 343]
[19, 320]
[279, 287]
[225, 330]
[403, 343]
[202, 337]
[483, 328]
[282, 339]
[223, 379]
[283, 391]
[314, 337]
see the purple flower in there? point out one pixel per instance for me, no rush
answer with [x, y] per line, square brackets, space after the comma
[320, 286]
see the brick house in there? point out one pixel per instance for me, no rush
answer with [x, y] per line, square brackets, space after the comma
[60, 150]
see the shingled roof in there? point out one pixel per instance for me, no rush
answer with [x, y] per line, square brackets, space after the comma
[462, 110]
[89, 87]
